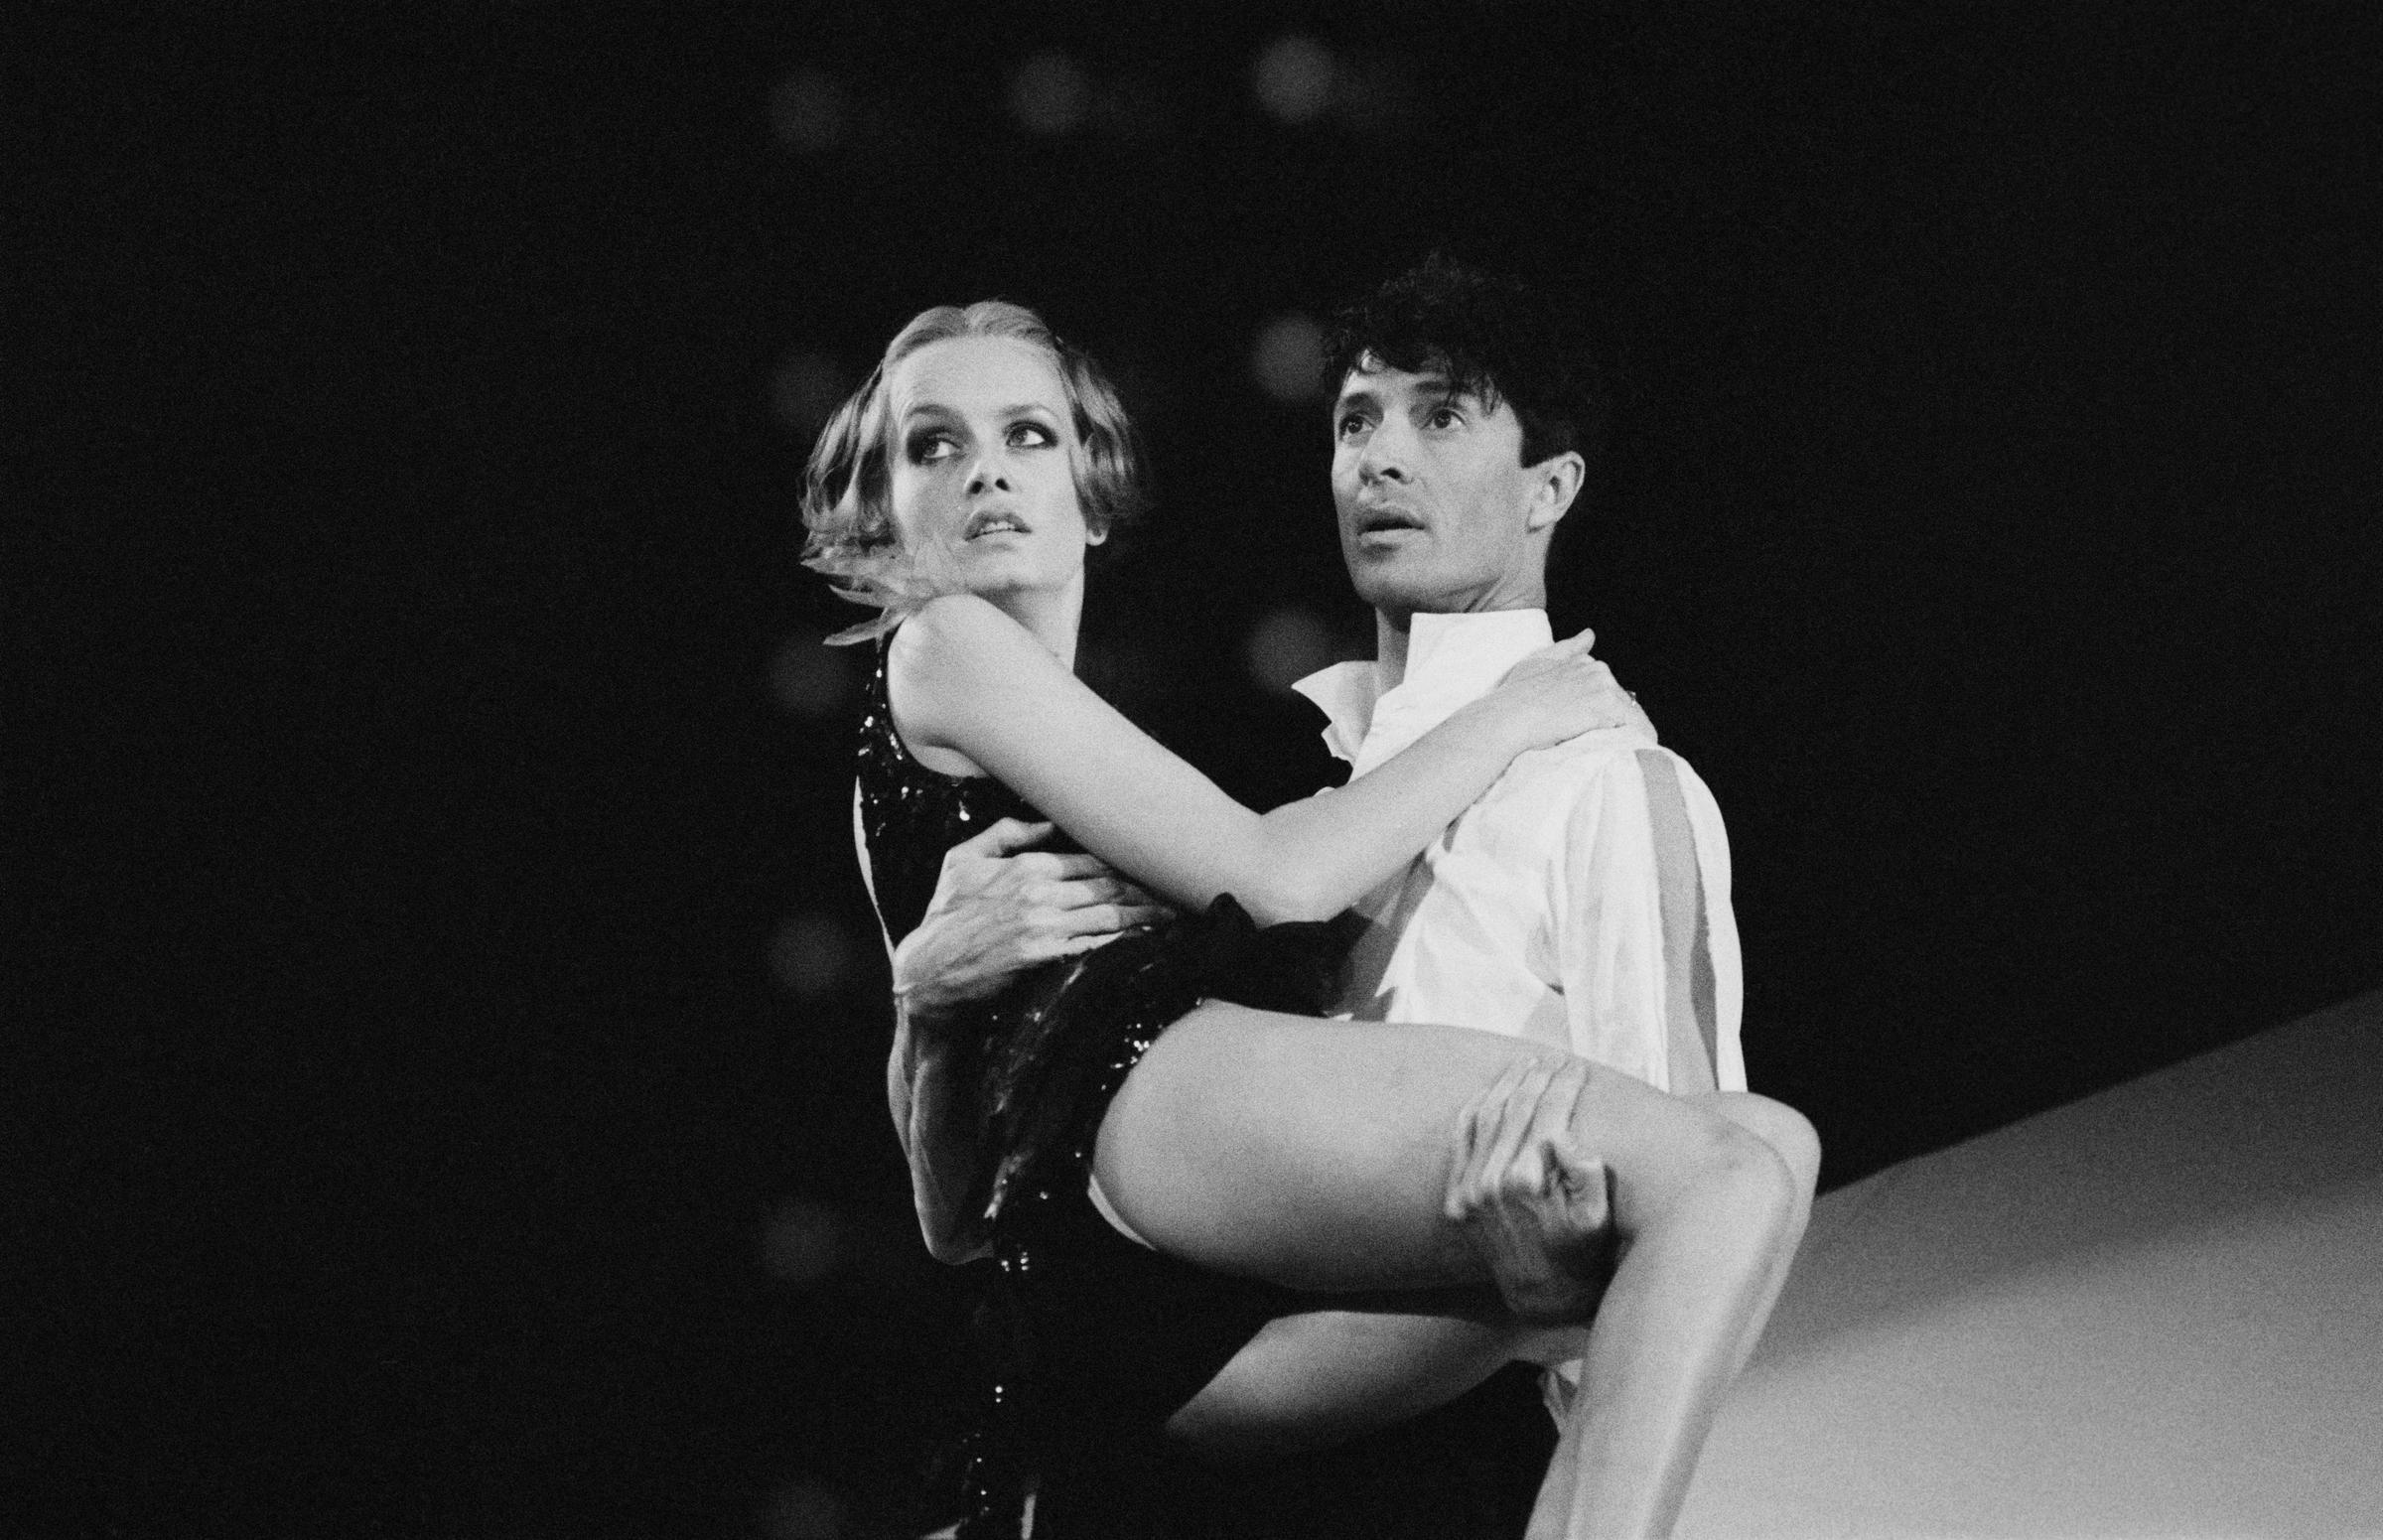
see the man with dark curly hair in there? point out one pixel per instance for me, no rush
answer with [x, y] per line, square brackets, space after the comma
[1582, 903]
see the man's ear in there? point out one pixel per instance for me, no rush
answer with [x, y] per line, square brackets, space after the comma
[1556, 483]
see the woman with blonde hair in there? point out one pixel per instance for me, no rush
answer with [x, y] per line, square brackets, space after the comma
[1219, 1219]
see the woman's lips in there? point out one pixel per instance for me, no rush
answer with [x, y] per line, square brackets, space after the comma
[994, 523]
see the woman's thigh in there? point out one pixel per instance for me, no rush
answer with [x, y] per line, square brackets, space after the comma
[1315, 1153]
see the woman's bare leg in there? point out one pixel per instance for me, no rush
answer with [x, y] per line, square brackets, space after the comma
[1321, 1377]
[1317, 1154]
[1791, 1138]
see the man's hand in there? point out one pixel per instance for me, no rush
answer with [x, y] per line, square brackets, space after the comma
[1535, 1210]
[1000, 908]
[1607, 700]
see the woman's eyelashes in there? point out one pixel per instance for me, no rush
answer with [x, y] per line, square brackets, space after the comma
[941, 444]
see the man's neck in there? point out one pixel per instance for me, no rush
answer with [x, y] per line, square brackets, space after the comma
[1394, 628]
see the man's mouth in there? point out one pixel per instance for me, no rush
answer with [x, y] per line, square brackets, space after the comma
[993, 523]
[1385, 521]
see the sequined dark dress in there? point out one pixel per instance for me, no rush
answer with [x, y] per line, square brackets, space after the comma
[1101, 1339]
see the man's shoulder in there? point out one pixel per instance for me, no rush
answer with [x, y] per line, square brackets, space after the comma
[1580, 760]
[1556, 781]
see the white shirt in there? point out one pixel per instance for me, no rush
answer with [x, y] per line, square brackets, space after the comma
[1582, 901]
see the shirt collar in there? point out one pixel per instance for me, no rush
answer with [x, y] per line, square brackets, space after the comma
[1452, 660]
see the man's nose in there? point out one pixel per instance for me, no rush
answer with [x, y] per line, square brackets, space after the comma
[1383, 459]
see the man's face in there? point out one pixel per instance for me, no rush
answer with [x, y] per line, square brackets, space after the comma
[1434, 502]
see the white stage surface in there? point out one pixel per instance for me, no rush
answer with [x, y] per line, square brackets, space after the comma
[2157, 1311]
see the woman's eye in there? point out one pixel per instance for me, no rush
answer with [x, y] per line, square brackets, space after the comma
[1033, 435]
[928, 448]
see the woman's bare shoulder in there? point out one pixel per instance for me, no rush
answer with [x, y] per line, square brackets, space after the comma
[948, 636]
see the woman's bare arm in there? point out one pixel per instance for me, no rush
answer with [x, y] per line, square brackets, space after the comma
[970, 680]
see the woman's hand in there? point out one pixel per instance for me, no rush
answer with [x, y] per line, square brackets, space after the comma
[1561, 692]
[1538, 1213]
[1000, 908]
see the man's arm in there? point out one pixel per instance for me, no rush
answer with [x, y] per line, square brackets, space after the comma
[999, 908]
[1648, 950]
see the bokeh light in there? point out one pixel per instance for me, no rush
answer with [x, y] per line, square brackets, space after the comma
[809, 111]
[811, 955]
[1293, 79]
[1048, 94]
[1288, 358]
[1287, 645]
[802, 1241]
[811, 678]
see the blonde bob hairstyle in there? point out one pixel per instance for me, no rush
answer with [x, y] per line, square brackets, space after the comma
[846, 501]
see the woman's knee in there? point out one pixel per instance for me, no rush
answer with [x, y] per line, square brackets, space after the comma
[1788, 1132]
[1747, 1168]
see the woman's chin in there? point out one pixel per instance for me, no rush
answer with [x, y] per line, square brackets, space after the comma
[1008, 577]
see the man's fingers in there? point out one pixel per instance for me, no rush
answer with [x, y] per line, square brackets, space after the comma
[1551, 1117]
[1075, 945]
[1076, 892]
[1510, 1160]
[1098, 918]
[1475, 1128]
[1006, 837]
[1585, 1184]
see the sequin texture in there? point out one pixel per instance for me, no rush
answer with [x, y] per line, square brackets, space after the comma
[1051, 1051]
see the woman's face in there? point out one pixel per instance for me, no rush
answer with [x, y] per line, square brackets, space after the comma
[983, 468]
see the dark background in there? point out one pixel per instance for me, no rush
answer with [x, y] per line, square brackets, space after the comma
[449, 1042]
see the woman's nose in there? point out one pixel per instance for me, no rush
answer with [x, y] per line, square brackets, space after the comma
[986, 474]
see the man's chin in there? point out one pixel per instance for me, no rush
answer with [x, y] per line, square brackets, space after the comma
[1399, 593]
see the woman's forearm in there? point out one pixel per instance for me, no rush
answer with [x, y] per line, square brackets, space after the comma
[965, 678]
[1317, 856]
[931, 1103]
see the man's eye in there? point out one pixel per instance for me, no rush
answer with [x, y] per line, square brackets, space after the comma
[1351, 425]
[1444, 417]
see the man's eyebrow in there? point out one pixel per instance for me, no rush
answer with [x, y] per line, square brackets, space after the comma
[1357, 395]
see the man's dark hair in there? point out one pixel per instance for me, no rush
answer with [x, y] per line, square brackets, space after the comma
[1492, 336]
